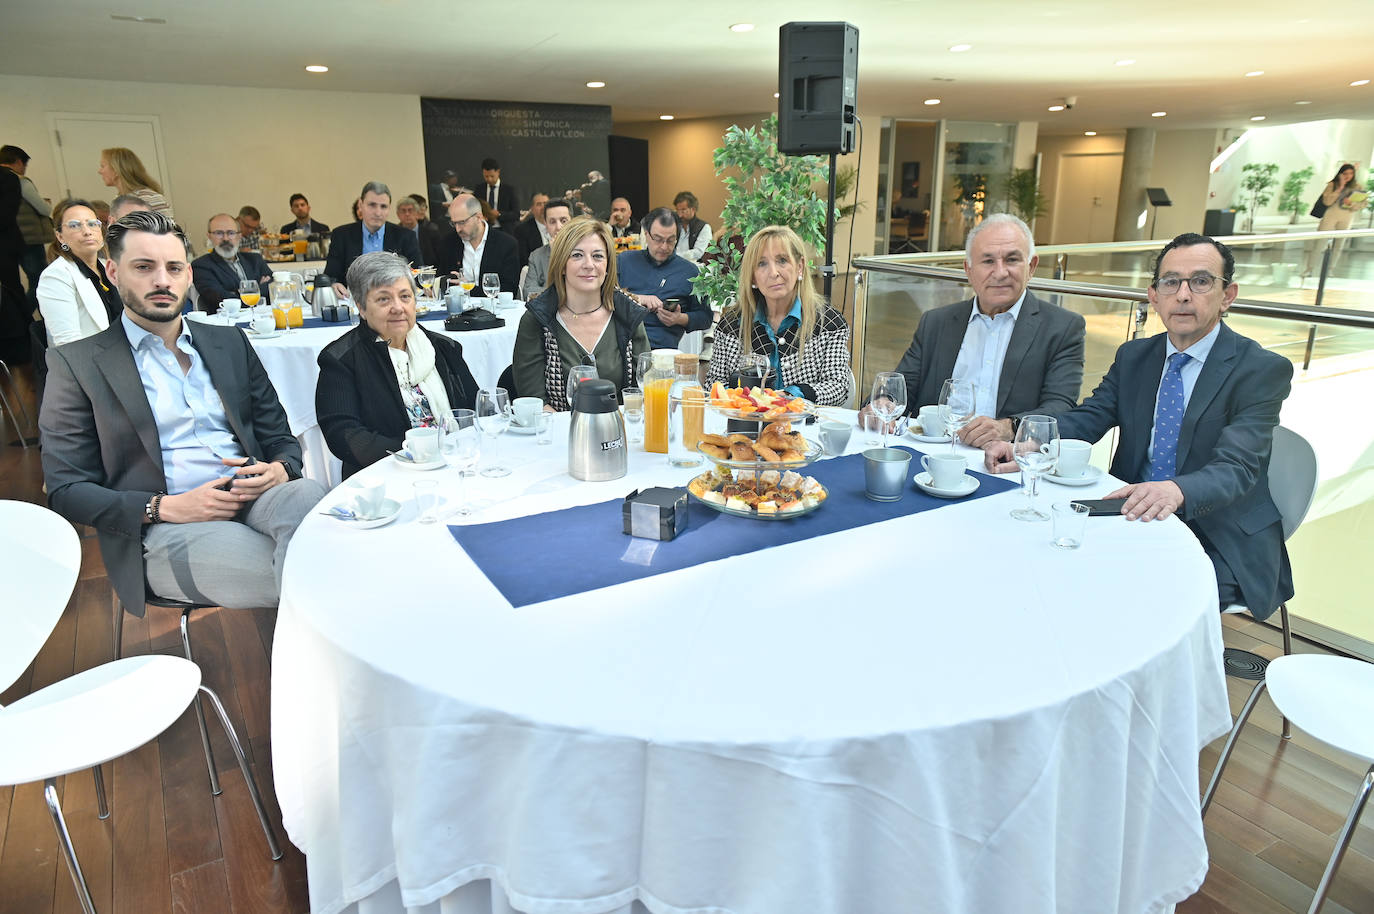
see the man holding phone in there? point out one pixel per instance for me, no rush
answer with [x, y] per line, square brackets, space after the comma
[1196, 406]
[661, 281]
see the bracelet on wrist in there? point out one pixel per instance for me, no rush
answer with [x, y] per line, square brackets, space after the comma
[153, 509]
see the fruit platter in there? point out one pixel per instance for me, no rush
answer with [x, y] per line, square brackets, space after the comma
[758, 494]
[759, 403]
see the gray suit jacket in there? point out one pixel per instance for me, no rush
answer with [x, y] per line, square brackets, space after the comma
[1041, 374]
[102, 458]
[537, 276]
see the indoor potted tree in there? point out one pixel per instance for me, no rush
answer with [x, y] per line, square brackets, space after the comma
[1293, 197]
[1256, 181]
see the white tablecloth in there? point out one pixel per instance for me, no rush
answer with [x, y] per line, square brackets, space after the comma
[290, 361]
[939, 713]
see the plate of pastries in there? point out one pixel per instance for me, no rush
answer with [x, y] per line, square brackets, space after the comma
[759, 403]
[776, 446]
[758, 494]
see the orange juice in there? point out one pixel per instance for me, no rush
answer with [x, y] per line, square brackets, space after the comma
[299, 246]
[250, 299]
[656, 415]
[279, 316]
[693, 417]
[294, 318]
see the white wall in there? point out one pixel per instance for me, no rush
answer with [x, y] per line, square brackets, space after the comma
[226, 147]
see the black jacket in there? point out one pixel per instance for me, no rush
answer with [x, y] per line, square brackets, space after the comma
[346, 244]
[358, 402]
[216, 280]
[501, 256]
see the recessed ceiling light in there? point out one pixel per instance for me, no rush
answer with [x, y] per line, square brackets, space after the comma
[596, 84]
[1255, 73]
[960, 48]
[1303, 102]
[1090, 133]
[1257, 117]
[742, 27]
[665, 117]
[776, 95]
[932, 101]
[1125, 62]
[1055, 108]
[145, 20]
[316, 68]
[1158, 113]
[1360, 82]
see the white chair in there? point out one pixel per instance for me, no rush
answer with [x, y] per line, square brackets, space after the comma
[1292, 485]
[1331, 698]
[96, 715]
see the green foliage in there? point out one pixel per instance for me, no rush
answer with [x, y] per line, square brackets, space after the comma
[1293, 198]
[845, 177]
[1258, 178]
[765, 188]
[1021, 192]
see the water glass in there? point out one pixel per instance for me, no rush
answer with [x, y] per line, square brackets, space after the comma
[493, 418]
[543, 423]
[426, 500]
[491, 284]
[576, 375]
[633, 399]
[1036, 450]
[1070, 523]
[958, 405]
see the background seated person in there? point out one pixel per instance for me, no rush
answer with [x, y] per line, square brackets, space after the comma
[661, 281]
[388, 374]
[75, 296]
[778, 314]
[557, 213]
[474, 246]
[217, 274]
[369, 234]
[579, 319]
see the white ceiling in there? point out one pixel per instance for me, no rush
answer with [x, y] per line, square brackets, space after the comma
[679, 57]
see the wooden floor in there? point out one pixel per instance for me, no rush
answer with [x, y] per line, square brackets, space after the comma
[170, 846]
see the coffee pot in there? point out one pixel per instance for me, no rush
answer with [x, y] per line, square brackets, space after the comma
[596, 441]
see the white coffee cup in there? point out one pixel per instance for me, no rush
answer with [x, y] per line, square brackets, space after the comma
[423, 444]
[505, 299]
[932, 423]
[367, 497]
[1073, 458]
[526, 410]
[835, 436]
[230, 307]
[946, 470]
[264, 324]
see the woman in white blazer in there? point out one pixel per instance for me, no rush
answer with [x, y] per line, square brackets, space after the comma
[75, 297]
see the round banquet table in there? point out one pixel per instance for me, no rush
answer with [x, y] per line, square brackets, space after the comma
[290, 361]
[935, 713]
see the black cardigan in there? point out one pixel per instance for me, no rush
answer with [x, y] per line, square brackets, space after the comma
[358, 402]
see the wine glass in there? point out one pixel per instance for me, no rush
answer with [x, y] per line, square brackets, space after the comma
[493, 418]
[1036, 449]
[426, 280]
[491, 284]
[250, 293]
[461, 445]
[888, 400]
[957, 407]
[466, 281]
[644, 363]
[576, 375]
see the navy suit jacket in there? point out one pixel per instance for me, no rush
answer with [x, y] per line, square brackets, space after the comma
[316, 227]
[1223, 450]
[216, 280]
[501, 256]
[346, 244]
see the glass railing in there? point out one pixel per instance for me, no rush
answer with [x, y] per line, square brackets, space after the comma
[1326, 406]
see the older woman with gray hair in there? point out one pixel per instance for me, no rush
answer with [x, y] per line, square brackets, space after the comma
[388, 374]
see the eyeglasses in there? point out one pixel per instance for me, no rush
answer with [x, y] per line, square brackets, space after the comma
[463, 221]
[664, 242]
[75, 225]
[1200, 283]
[223, 233]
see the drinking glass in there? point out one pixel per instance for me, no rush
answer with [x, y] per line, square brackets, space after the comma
[491, 284]
[633, 398]
[542, 423]
[493, 418]
[426, 500]
[644, 363]
[888, 399]
[462, 445]
[250, 293]
[1036, 449]
[426, 280]
[466, 281]
[576, 375]
[957, 406]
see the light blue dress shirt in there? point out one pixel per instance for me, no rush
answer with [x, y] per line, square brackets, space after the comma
[982, 353]
[192, 425]
[372, 241]
[1189, 372]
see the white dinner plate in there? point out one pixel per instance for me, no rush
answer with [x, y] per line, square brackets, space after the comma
[391, 509]
[927, 439]
[968, 487]
[1090, 476]
[269, 335]
[437, 463]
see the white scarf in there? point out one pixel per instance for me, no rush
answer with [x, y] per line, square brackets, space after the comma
[416, 367]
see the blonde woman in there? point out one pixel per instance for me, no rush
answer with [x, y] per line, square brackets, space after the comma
[122, 169]
[778, 315]
[580, 319]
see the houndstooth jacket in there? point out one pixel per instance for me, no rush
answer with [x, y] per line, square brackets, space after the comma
[821, 369]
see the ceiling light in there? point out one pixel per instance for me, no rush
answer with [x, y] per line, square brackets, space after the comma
[1360, 82]
[1255, 73]
[932, 101]
[665, 117]
[1090, 133]
[942, 79]
[742, 27]
[1257, 117]
[596, 84]
[316, 68]
[960, 48]
[145, 20]
[1125, 62]
[1055, 108]
[776, 95]
[1158, 113]
[1304, 102]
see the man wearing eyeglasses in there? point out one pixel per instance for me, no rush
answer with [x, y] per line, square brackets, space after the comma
[661, 281]
[1196, 406]
[217, 274]
[473, 247]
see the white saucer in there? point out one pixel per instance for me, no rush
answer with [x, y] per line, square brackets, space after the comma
[437, 463]
[923, 482]
[269, 335]
[521, 429]
[391, 509]
[928, 439]
[1090, 476]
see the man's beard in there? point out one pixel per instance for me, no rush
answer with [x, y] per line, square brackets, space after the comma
[159, 312]
[227, 249]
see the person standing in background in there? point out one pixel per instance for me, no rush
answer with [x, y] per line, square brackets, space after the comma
[499, 195]
[1343, 197]
[35, 225]
[123, 170]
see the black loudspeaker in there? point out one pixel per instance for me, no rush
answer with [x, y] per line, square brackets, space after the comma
[818, 77]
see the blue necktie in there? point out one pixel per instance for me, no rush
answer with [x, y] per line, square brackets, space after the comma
[1168, 419]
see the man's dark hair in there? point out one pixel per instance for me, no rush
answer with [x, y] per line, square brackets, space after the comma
[490, 164]
[687, 197]
[11, 154]
[552, 204]
[661, 216]
[140, 221]
[295, 197]
[250, 211]
[1187, 240]
[421, 200]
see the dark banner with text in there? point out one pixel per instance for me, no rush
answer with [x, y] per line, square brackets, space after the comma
[559, 150]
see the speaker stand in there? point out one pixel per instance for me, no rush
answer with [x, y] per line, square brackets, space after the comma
[828, 269]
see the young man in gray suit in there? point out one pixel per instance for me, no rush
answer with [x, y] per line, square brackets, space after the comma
[1023, 355]
[170, 441]
[1196, 406]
